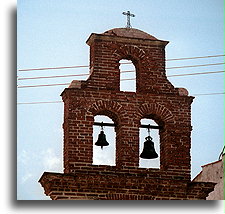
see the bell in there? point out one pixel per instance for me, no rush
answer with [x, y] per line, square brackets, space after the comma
[149, 150]
[101, 140]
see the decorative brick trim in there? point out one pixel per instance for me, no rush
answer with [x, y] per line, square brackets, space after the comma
[128, 51]
[157, 111]
[109, 108]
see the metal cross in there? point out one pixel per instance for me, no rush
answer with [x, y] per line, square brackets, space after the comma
[128, 14]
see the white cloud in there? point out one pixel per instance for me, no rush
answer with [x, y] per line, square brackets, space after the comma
[24, 172]
[26, 177]
[51, 161]
[23, 158]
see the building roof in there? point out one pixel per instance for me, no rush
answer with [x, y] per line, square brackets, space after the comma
[129, 32]
[206, 165]
[213, 162]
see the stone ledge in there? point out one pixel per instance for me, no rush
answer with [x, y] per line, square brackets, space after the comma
[79, 186]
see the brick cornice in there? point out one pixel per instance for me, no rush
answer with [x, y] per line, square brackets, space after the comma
[96, 37]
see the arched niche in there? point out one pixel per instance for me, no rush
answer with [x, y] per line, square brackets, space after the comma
[127, 75]
[154, 133]
[107, 154]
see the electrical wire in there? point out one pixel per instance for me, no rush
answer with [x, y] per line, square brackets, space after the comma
[45, 85]
[197, 57]
[199, 73]
[52, 68]
[216, 93]
[45, 102]
[86, 66]
[31, 86]
[191, 66]
[74, 75]
[189, 74]
[77, 75]
[60, 76]
[47, 77]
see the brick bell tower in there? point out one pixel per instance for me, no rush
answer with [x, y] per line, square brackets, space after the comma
[155, 98]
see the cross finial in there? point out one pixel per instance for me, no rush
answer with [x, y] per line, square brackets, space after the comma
[128, 14]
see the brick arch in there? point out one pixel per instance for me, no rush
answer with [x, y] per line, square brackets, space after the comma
[108, 108]
[155, 111]
[126, 51]
[130, 52]
[145, 65]
[134, 53]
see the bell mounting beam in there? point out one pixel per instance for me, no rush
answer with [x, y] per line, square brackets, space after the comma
[114, 125]
[104, 124]
[150, 126]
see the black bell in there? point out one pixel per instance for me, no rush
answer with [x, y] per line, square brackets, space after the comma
[101, 140]
[149, 150]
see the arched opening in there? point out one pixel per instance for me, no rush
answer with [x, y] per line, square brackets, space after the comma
[154, 133]
[127, 75]
[105, 155]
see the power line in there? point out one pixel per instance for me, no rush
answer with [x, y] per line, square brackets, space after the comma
[175, 75]
[47, 77]
[197, 57]
[51, 102]
[85, 66]
[199, 73]
[45, 102]
[191, 66]
[216, 93]
[52, 68]
[31, 86]
[179, 75]
[77, 75]
[60, 76]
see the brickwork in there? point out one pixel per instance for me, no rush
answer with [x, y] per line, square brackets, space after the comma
[108, 183]
[155, 98]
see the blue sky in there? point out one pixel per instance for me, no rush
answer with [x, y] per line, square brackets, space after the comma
[53, 33]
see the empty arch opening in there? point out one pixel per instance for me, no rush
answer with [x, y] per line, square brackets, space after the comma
[127, 75]
[154, 133]
[105, 155]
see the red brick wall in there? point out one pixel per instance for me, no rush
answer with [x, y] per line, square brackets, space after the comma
[147, 56]
[155, 98]
[126, 109]
[108, 183]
